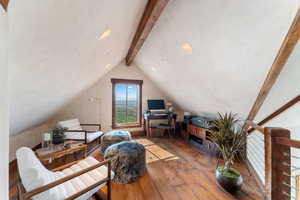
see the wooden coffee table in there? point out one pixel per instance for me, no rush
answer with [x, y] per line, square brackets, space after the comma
[59, 155]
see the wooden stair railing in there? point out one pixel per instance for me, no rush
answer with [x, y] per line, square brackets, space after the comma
[298, 186]
[277, 164]
[278, 167]
[255, 126]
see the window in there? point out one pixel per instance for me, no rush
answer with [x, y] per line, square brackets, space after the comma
[126, 105]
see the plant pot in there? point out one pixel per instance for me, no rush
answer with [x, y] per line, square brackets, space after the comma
[231, 182]
[58, 139]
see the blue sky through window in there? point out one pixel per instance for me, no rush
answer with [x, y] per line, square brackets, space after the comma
[132, 91]
[121, 92]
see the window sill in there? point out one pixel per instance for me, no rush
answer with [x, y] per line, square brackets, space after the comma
[126, 126]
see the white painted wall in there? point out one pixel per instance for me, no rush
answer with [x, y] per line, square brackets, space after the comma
[286, 88]
[101, 111]
[3, 107]
[95, 111]
[98, 110]
[29, 138]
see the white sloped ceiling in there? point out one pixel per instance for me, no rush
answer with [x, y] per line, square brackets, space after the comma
[55, 51]
[233, 46]
[285, 89]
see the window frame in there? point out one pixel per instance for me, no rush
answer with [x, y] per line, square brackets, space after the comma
[116, 81]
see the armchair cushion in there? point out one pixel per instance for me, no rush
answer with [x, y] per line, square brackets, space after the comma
[91, 136]
[75, 185]
[72, 124]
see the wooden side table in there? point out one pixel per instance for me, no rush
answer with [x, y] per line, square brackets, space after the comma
[59, 155]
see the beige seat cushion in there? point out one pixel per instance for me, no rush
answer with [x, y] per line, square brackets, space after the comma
[81, 136]
[77, 184]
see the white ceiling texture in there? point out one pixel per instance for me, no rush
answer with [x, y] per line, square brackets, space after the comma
[55, 51]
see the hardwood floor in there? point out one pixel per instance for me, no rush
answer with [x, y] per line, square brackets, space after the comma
[188, 176]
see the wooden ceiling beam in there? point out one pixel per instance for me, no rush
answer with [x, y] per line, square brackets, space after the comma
[284, 53]
[4, 4]
[277, 112]
[151, 14]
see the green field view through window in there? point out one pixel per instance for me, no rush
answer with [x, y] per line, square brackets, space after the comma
[126, 103]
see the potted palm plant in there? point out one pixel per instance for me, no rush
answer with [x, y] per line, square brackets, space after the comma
[230, 140]
[58, 134]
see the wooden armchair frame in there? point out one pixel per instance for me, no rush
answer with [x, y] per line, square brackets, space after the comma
[86, 132]
[27, 195]
[99, 125]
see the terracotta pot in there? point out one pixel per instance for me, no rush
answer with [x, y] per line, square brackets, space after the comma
[230, 184]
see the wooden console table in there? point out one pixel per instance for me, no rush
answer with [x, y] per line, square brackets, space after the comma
[201, 133]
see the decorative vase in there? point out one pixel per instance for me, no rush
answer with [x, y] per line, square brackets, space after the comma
[229, 183]
[46, 140]
[57, 139]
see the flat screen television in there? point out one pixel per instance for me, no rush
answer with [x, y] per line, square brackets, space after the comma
[156, 104]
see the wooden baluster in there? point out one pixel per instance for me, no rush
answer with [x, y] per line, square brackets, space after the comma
[109, 180]
[274, 164]
[298, 187]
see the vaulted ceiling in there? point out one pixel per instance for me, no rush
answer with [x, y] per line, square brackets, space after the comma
[55, 51]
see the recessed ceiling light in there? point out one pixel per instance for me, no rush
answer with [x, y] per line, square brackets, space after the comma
[107, 52]
[107, 66]
[105, 34]
[154, 69]
[187, 47]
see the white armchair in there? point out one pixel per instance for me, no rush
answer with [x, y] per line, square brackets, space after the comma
[76, 132]
[79, 181]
